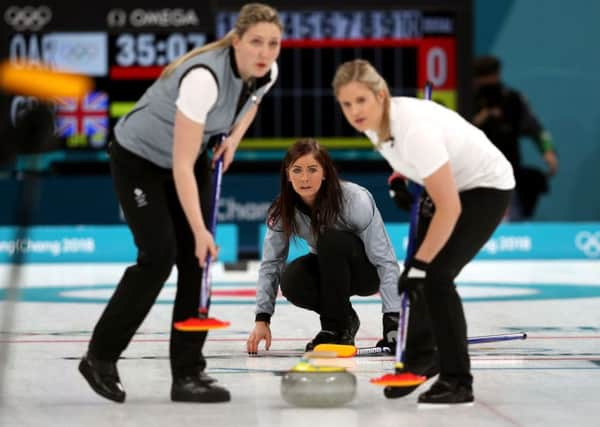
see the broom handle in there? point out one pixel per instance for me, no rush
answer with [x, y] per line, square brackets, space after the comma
[410, 250]
[481, 339]
[212, 227]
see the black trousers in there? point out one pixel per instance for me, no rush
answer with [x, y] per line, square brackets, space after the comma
[324, 282]
[437, 318]
[163, 238]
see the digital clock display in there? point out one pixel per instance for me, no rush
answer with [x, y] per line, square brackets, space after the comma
[345, 24]
[354, 24]
[150, 49]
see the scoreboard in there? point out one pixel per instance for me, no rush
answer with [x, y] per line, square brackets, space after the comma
[125, 45]
[409, 47]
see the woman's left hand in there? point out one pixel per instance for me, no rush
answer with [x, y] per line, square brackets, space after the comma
[227, 149]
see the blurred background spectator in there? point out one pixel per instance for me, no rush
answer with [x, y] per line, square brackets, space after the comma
[505, 116]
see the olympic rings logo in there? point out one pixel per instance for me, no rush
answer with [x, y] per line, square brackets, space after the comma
[28, 17]
[589, 243]
[80, 53]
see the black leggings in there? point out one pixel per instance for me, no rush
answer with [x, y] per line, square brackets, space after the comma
[163, 238]
[324, 282]
[438, 318]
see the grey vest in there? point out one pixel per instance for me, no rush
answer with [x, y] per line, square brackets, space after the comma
[147, 130]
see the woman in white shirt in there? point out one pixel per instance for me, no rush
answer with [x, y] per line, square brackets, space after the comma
[468, 184]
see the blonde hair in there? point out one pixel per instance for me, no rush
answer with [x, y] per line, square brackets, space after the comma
[361, 71]
[250, 15]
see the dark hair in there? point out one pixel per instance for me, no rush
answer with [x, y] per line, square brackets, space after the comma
[329, 200]
[486, 66]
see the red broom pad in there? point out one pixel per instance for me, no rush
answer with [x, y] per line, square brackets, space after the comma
[195, 324]
[404, 379]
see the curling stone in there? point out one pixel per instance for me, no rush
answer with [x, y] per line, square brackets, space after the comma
[313, 386]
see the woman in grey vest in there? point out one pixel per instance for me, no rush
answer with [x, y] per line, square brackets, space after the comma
[350, 250]
[161, 173]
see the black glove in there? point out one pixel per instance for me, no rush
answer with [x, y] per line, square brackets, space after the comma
[390, 331]
[413, 278]
[399, 191]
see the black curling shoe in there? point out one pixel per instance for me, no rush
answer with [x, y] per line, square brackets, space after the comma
[103, 377]
[323, 337]
[343, 337]
[204, 377]
[193, 389]
[444, 392]
[347, 335]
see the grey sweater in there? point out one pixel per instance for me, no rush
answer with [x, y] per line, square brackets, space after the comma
[360, 216]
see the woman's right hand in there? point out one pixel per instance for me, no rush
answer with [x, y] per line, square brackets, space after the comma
[205, 245]
[261, 331]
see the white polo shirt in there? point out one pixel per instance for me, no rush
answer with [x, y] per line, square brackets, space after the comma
[426, 135]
